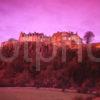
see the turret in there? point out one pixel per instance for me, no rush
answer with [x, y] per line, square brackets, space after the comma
[22, 34]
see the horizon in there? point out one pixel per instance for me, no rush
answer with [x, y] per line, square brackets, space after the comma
[48, 17]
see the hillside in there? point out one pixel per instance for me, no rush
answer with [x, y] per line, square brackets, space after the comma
[56, 73]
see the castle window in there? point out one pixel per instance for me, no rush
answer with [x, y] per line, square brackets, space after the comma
[69, 38]
[64, 38]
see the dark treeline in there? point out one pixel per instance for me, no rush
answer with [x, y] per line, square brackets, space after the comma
[53, 74]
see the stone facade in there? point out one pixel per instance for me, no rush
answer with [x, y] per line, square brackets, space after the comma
[31, 37]
[59, 38]
[66, 38]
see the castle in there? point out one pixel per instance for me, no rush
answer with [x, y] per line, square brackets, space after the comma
[68, 38]
[59, 38]
[31, 37]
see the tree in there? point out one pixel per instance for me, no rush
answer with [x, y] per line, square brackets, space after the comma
[89, 36]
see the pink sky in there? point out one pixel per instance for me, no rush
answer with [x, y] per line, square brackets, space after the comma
[48, 16]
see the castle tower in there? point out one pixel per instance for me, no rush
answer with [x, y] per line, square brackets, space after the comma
[21, 37]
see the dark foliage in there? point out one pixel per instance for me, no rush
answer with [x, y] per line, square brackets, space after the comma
[55, 73]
